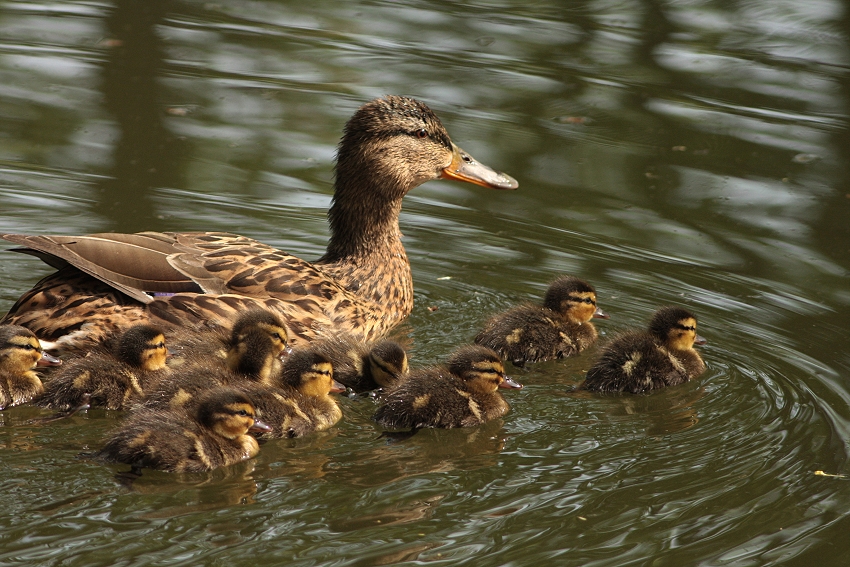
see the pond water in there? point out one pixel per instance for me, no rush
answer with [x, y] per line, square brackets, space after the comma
[692, 153]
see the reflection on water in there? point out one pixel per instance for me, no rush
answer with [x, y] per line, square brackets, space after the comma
[669, 153]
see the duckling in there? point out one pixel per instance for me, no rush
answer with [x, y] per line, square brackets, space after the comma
[233, 348]
[253, 357]
[301, 404]
[361, 285]
[361, 366]
[641, 361]
[20, 353]
[214, 434]
[124, 368]
[559, 328]
[463, 393]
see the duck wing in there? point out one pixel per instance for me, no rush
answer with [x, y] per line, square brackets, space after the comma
[153, 263]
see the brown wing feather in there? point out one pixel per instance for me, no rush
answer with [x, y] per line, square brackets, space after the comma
[132, 263]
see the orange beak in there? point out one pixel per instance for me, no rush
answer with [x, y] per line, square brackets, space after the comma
[465, 168]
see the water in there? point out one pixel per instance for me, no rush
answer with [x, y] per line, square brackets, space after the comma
[691, 153]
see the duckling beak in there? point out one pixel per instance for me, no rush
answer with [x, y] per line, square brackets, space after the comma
[510, 383]
[48, 360]
[337, 388]
[259, 427]
[698, 340]
[465, 168]
[599, 314]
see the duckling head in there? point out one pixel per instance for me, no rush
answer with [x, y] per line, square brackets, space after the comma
[265, 321]
[676, 328]
[228, 413]
[311, 373]
[481, 369]
[20, 350]
[387, 362]
[143, 346]
[574, 299]
[254, 355]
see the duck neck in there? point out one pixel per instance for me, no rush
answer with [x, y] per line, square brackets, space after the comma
[365, 253]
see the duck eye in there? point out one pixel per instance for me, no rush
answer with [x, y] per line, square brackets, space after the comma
[242, 412]
[421, 133]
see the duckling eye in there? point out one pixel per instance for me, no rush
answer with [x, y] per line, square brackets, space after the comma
[588, 301]
[242, 412]
[277, 336]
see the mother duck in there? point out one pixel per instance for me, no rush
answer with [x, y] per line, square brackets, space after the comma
[362, 285]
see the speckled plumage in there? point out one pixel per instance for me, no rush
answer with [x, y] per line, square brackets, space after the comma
[362, 284]
[214, 435]
[642, 361]
[461, 393]
[558, 328]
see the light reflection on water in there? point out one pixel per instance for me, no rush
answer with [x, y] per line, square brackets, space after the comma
[657, 149]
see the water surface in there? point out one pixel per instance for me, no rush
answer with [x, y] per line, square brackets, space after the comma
[689, 153]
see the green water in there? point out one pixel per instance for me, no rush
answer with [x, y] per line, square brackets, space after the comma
[691, 153]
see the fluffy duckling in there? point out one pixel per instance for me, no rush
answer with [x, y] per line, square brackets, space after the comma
[205, 346]
[640, 361]
[135, 361]
[214, 434]
[253, 358]
[20, 353]
[302, 403]
[362, 366]
[462, 393]
[559, 328]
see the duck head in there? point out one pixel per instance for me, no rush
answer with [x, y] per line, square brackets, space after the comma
[20, 351]
[387, 362]
[228, 413]
[574, 299]
[311, 373]
[675, 328]
[481, 369]
[143, 346]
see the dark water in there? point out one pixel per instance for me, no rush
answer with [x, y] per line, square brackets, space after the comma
[692, 153]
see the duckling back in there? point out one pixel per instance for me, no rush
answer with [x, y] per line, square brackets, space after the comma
[642, 361]
[462, 393]
[559, 328]
[110, 378]
[212, 436]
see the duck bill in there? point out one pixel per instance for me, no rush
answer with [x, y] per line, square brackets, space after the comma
[465, 168]
[599, 314]
[510, 383]
[698, 340]
[337, 388]
[48, 360]
[259, 427]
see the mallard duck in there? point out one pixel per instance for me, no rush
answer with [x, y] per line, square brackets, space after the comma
[214, 434]
[640, 361]
[364, 366]
[20, 353]
[462, 393]
[361, 285]
[212, 345]
[111, 375]
[559, 328]
[301, 403]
